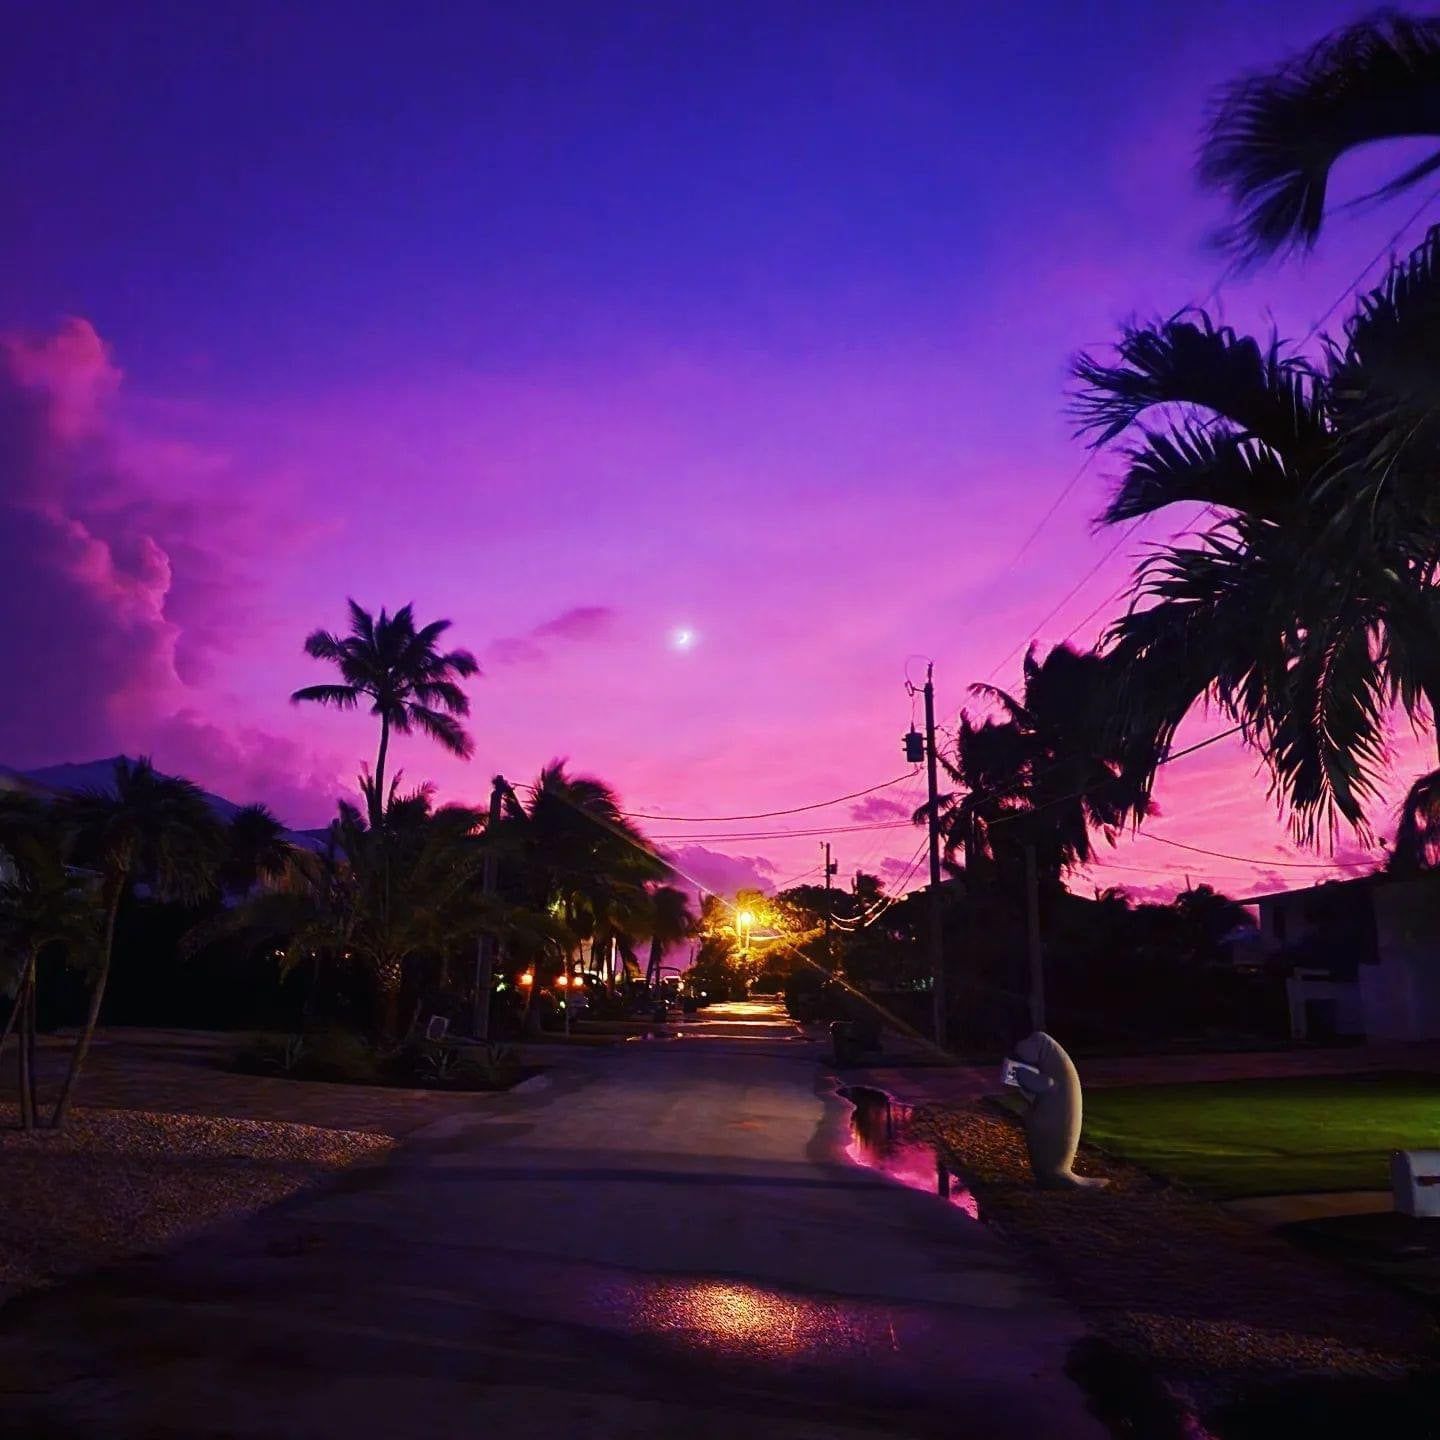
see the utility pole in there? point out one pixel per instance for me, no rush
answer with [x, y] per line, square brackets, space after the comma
[936, 937]
[485, 947]
[1032, 927]
[830, 869]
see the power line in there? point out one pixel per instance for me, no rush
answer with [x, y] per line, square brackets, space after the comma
[1252, 859]
[1378, 256]
[1213, 292]
[1168, 759]
[820, 830]
[769, 814]
[1069, 595]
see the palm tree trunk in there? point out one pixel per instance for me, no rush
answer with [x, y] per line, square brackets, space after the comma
[32, 1047]
[377, 798]
[388, 977]
[26, 1071]
[14, 1015]
[92, 1018]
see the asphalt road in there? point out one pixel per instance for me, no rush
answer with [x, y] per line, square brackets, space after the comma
[665, 1240]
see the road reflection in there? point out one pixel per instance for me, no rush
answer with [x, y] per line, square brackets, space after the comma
[879, 1141]
[727, 1318]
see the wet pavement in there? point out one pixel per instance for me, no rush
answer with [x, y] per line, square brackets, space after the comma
[668, 1240]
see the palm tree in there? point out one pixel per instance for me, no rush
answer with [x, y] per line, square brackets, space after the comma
[44, 905]
[1055, 767]
[410, 683]
[1417, 835]
[149, 827]
[256, 851]
[670, 921]
[1306, 608]
[576, 856]
[1276, 137]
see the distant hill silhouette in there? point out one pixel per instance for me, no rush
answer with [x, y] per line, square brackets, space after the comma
[100, 775]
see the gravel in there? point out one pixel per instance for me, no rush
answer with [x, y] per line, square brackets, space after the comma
[117, 1183]
[1212, 1301]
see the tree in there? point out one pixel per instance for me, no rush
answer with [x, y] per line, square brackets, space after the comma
[670, 921]
[1276, 137]
[1051, 769]
[1306, 608]
[575, 856]
[149, 827]
[255, 851]
[413, 889]
[45, 905]
[409, 682]
[1417, 836]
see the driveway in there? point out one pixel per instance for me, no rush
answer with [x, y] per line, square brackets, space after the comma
[665, 1241]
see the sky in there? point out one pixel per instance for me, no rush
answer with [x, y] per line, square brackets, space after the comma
[705, 364]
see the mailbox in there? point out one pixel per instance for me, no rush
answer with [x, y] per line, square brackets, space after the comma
[1415, 1178]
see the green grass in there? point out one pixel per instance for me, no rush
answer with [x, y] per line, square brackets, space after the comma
[1269, 1137]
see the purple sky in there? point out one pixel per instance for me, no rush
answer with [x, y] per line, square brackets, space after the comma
[583, 324]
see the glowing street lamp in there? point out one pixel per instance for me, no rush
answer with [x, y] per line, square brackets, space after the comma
[527, 979]
[744, 923]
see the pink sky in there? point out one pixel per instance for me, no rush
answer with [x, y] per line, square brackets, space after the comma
[818, 448]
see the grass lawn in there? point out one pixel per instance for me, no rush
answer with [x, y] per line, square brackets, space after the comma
[1231, 1138]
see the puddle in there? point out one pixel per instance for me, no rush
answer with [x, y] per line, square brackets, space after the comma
[880, 1140]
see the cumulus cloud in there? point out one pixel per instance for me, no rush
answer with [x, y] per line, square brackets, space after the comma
[85, 581]
[579, 623]
[119, 575]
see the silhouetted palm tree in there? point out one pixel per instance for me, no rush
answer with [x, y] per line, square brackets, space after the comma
[44, 905]
[670, 921]
[1307, 605]
[149, 827]
[580, 858]
[1055, 767]
[1417, 836]
[1276, 136]
[255, 850]
[409, 682]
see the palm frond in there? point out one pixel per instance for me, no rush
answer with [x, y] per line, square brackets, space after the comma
[1274, 137]
[343, 697]
[1202, 367]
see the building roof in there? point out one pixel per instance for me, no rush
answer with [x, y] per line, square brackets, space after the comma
[1359, 882]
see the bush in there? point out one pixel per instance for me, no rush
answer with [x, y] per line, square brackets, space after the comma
[432, 1065]
[335, 1055]
[345, 1058]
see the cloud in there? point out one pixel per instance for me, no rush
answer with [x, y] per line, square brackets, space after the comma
[897, 870]
[250, 764]
[515, 650]
[580, 622]
[711, 870]
[876, 807]
[119, 567]
[85, 581]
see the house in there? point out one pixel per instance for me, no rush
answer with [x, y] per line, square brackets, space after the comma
[1362, 956]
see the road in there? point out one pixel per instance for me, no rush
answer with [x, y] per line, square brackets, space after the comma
[664, 1240]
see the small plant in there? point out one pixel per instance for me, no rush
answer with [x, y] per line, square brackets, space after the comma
[496, 1065]
[272, 1055]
